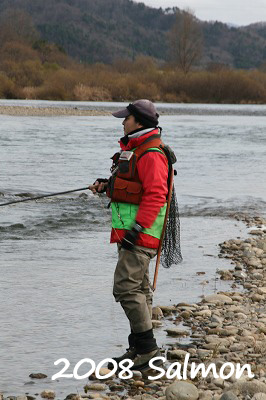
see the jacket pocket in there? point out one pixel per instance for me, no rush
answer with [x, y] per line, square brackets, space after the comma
[126, 191]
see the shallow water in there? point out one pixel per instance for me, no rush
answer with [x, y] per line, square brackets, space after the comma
[56, 263]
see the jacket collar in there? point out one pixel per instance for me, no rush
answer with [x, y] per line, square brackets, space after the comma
[136, 138]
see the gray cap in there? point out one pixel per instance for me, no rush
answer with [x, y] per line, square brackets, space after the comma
[142, 109]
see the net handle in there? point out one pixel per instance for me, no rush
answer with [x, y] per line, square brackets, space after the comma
[171, 183]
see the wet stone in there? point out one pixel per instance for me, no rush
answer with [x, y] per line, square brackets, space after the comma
[138, 383]
[116, 387]
[95, 386]
[38, 375]
[177, 332]
[71, 396]
[167, 309]
[48, 394]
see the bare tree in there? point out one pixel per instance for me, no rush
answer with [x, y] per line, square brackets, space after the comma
[17, 25]
[185, 40]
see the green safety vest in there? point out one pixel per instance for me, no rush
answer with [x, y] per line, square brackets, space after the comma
[124, 215]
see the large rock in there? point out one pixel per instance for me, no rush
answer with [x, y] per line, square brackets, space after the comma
[218, 298]
[177, 332]
[182, 391]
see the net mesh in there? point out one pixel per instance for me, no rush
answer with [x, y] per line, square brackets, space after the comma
[171, 248]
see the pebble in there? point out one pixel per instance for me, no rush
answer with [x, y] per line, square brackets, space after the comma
[229, 396]
[103, 371]
[259, 396]
[177, 332]
[166, 310]
[203, 313]
[182, 391]
[240, 275]
[137, 375]
[249, 388]
[186, 314]
[262, 290]
[218, 298]
[48, 394]
[206, 395]
[138, 383]
[95, 386]
[176, 354]
[157, 313]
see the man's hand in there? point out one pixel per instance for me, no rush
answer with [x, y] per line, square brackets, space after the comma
[131, 236]
[99, 186]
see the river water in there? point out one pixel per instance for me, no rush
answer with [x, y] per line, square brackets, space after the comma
[56, 261]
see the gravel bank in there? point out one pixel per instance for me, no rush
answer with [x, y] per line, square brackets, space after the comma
[79, 109]
[22, 111]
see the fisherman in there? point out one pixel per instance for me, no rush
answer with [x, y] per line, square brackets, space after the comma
[138, 190]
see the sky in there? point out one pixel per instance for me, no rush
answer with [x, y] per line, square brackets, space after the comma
[238, 12]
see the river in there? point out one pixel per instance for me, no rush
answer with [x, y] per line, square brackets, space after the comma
[56, 261]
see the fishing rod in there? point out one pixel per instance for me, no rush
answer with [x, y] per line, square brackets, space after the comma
[47, 195]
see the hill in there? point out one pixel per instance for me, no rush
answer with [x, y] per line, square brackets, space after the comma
[105, 30]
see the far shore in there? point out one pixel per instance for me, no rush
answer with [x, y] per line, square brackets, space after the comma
[164, 110]
[23, 111]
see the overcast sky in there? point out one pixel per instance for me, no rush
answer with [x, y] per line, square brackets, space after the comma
[240, 12]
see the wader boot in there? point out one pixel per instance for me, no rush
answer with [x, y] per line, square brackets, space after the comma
[130, 353]
[146, 348]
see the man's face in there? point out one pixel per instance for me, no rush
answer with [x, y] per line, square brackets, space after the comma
[130, 124]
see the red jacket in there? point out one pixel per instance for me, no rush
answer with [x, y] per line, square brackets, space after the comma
[153, 173]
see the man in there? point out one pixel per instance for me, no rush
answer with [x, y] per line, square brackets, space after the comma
[138, 190]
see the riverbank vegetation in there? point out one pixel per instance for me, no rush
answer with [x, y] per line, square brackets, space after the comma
[26, 75]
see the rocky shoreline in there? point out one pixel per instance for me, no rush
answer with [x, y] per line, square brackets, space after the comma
[72, 110]
[226, 327]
